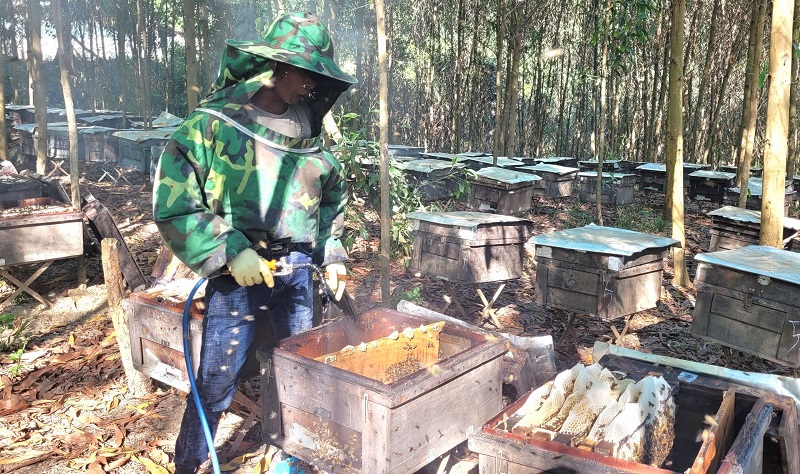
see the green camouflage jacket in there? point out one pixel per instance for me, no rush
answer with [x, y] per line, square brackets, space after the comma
[226, 183]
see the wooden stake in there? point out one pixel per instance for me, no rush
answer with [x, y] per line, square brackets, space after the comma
[138, 383]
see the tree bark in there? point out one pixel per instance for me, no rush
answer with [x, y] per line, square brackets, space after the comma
[121, 32]
[192, 91]
[38, 83]
[499, 133]
[138, 383]
[3, 74]
[750, 106]
[791, 158]
[675, 143]
[777, 132]
[386, 208]
[601, 130]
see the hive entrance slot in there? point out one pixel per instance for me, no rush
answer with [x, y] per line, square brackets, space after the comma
[390, 358]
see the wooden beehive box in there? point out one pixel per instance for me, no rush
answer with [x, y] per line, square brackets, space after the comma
[343, 421]
[617, 188]
[609, 166]
[710, 186]
[431, 178]
[480, 162]
[500, 190]
[600, 270]
[732, 169]
[20, 113]
[58, 142]
[100, 144]
[749, 429]
[469, 247]
[135, 147]
[749, 298]
[568, 161]
[108, 120]
[15, 187]
[155, 324]
[39, 230]
[733, 227]
[27, 138]
[557, 181]
[754, 193]
[652, 177]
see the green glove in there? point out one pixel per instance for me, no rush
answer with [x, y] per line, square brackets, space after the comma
[248, 268]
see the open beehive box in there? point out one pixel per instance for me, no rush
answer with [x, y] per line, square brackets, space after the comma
[388, 392]
[716, 427]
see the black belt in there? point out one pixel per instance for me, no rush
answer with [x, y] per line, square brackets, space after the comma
[275, 250]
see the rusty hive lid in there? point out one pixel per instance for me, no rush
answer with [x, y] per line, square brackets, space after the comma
[506, 176]
[755, 187]
[426, 165]
[144, 135]
[548, 168]
[775, 263]
[502, 161]
[706, 174]
[605, 240]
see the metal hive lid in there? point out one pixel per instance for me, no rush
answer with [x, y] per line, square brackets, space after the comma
[502, 161]
[506, 176]
[749, 215]
[652, 167]
[143, 135]
[426, 165]
[606, 174]
[548, 168]
[755, 187]
[775, 263]
[712, 174]
[605, 240]
[466, 219]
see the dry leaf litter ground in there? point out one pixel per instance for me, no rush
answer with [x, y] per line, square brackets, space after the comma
[65, 406]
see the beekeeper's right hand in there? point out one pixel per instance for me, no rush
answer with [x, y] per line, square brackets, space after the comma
[248, 269]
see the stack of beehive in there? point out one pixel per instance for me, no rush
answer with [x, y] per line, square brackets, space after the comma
[595, 408]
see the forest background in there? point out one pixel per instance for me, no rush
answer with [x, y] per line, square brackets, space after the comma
[516, 78]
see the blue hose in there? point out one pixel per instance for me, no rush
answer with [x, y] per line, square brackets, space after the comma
[192, 383]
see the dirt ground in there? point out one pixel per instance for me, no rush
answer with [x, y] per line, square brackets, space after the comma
[65, 406]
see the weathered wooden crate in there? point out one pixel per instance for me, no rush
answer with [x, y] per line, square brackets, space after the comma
[609, 166]
[653, 176]
[557, 181]
[733, 227]
[20, 113]
[58, 142]
[39, 230]
[500, 190]
[754, 193]
[600, 270]
[628, 166]
[617, 188]
[749, 298]
[135, 147]
[431, 178]
[108, 120]
[155, 324]
[469, 247]
[568, 161]
[479, 162]
[100, 144]
[27, 138]
[732, 169]
[720, 427]
[710, 185]
[344, 421]
[14, 187]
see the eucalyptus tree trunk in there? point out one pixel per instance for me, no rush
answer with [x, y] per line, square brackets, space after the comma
[694, 125]
[750, 105]
[38, 83]
[499, 133]
[65, 62]
[601, 131]
[675, 143]
[386, 208]
[3, 142]
[122, 22]
[143, 76]
[777, 133]
[192, 91]
[458, 88]
[791, 159]
[512, 83]
[651, 116]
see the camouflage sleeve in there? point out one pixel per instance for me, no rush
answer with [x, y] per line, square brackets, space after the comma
[201, 239]
[328, 248]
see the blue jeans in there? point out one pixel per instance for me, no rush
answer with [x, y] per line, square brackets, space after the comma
[228, 332]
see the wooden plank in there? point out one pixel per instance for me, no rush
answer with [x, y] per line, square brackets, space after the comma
[572, 280]
[103, 226]
[789, 439]
[748, 447]
[702, 312]
[540, 291]
[774, 293]
[635, 293]
[716, 438]
[571, 301]
[602, 261]
[743, 336]
[41, 238]
[749, 313]
[789, 348]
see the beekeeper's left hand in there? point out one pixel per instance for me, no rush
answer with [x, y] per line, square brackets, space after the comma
[332, 276]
